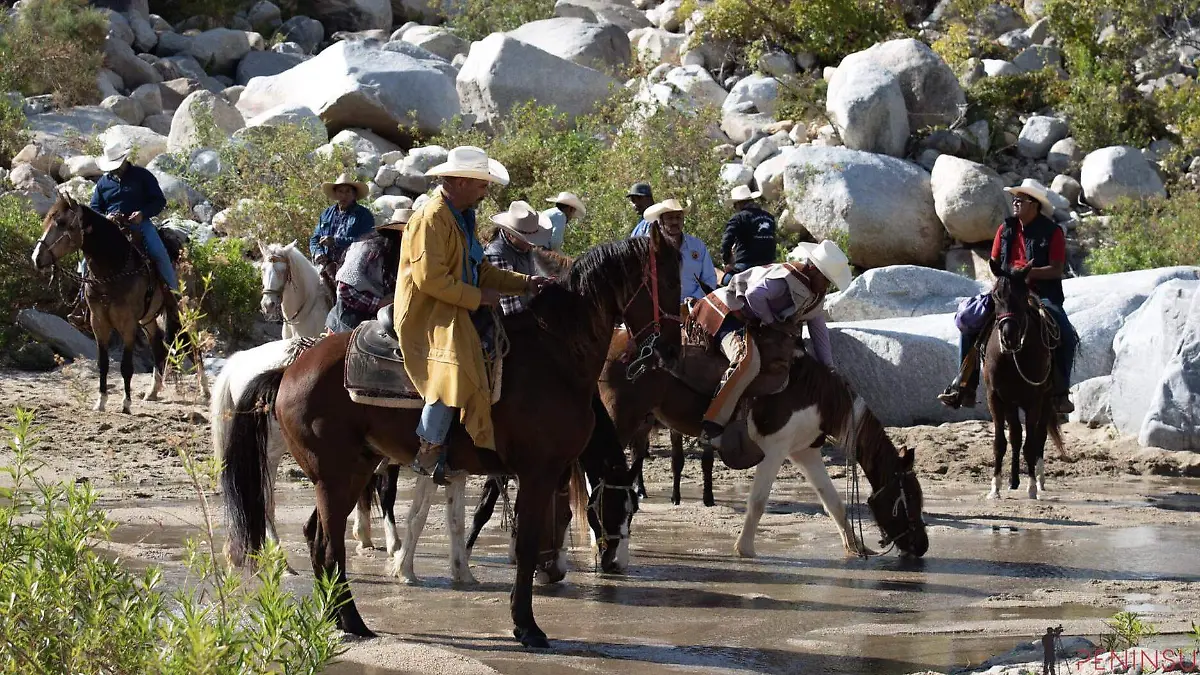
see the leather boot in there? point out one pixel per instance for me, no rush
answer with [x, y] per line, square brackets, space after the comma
[1062, 399]
[431, 461]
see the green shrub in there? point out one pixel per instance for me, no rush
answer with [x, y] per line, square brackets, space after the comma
[278, 171]
[53, 46]
[219, 12]
[1147, 234]
[1182, 107]
[69, 609]
[12, 129]
[22, 286]
[476, 19]
[802, 98]
[234, 285]
[829, 29]
[1007, 96]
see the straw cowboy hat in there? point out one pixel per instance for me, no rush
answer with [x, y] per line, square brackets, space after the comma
[467, 161]
[742, 193]
[669, 206]
[114, 155]
[828, 258]
[398, 220]
[360, 188]
[570, 200]
[526, 224]
[1034, 193]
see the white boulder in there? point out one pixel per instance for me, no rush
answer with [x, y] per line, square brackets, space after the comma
[900, 291]
[932, 94]
[866, 105]
[598, 45]
[146, 144]
[1039, 134]
[969, 198]
[186, 124]
[1111, 174]
[437, 40]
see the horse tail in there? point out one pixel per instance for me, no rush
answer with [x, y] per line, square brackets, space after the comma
[579, 504]
[1054, 429]
[220, 411]
[244, 475]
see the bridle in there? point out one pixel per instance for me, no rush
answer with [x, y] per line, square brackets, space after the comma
[897, 479]
[596, 506]
[648, 356]
[75, 232]
[1049, 340]
[278, 292]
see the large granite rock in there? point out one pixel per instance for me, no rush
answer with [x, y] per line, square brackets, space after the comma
[120, 58]
[1172, 421]
[1039, 134]
[57, 131]
[146, 144]
[969, 198]
[437, 40]
[352, 15]
[866, 106]
[219, 50]
[291, 114]
[264, 64]
[885, 205]
[186, 125]
[599, 45]
[619, 12]
[901, 291]
[502, 72]
[358, 84]
[1091, 399]
[761, 91]
[1110, 174]
[62, 336]
[932, 94]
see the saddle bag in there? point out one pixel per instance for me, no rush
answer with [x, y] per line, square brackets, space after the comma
[973, 313]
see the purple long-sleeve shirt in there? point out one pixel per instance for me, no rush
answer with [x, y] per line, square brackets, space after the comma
[770, 301]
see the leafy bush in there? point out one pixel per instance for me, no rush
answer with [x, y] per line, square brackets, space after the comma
[1126, 630]
[234, 284]
[1182, 107]
[276, 169]
[1147, 234]
[21, 285]
[802, 98]
[476, 19]
[53, 46]
[1007, 96]
[829, 29]
[68, 609]
[12, 129]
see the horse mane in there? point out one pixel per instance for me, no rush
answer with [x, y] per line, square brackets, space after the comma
[303, 271]
[551, 263]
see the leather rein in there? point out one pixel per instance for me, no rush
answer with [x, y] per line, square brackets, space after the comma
[647, 355]
[278, 292]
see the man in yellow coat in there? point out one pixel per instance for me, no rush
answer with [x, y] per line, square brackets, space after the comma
[443, 279]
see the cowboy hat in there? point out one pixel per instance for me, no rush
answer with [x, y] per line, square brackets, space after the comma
[742, 193]
[1035, 193]
[360, 188]
[570, 200]
[468, 161]
[114, 155]
[397, 221]
[669, 206]
[526, 224]
[828, 258]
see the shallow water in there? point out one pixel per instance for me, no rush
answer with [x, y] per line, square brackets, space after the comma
[688, 604]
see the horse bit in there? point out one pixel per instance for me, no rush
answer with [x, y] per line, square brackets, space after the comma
[278, 292]
[596, 505]
[648, 356]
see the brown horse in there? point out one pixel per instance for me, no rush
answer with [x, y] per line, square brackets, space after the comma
[1018, 369]
[543, 419]
[121, 288]
[791, 424]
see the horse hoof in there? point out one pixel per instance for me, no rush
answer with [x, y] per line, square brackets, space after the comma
[467, 579]
[993, 495]
[126, 406]
[709, 501]
[1033, 492]
[531, 639]
[100, 402]
[150, 397]
[746, 551]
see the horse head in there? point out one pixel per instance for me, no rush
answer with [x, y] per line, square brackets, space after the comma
[63, 231]
[897, 507]
[653, 316]
[277, 274]
[611, 508]
[1010, 296]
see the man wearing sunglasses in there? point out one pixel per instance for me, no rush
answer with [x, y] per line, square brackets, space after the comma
[1027, 240]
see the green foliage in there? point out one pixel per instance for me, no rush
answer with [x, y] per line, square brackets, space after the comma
[276, 169]
[476, 19]
[1103, 106]
[1126, 630]
[953, 46]
[599, 158]
[1147, 234]
[21, 285]
[1182, 107]
[219, 12]
[993, 98]
[68, 609]
[829, 29]
[53, 46]
[234, 285]
[12, 129]
[802, 97]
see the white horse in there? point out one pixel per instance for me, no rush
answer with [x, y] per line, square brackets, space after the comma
[292, 291]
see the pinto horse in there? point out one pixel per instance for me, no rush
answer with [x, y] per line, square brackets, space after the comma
[121, 288]
[557, 350]
[1018, 367]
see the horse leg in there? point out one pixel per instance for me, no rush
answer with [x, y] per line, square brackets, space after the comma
[676, 468]
[275, 452]
[129, 337]
[456, 503]
[483, 511]
[533, 502]
[706, 467]
[1035, 446]
[316, 541]
[362, 517]
[810, 464]
[1014, 441]
[102, 364]
[764, 478]
[998, 444]
[387, 503]
[641, 448]
[418, 511]
[155, 337]
[333, 508]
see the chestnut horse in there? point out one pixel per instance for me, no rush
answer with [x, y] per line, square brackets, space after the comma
[543, 419]
[122, 290]
[1018, 367]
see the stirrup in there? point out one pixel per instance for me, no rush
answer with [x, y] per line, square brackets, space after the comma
[441, 473]
[951, 397]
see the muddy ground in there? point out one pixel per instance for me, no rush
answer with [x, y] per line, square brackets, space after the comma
[1116, 530]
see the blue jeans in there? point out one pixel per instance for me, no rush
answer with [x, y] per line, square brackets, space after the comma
[157, 252]
[435, 423]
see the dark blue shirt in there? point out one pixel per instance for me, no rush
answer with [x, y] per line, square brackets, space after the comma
[344, 227]
[136, 190]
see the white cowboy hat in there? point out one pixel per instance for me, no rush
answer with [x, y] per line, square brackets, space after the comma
[360, 188]
[742, 193]
[1035, 193]
[570, 200]
[114, 155]
[526, 224]
[670, 206]
[397, 221]
[828, 258]
[467, 161]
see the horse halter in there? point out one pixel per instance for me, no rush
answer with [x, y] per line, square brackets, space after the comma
[278, 292]
[69, 233]
[596, 506]
[648, 356]
[897, 479]
[850, 434]
[1049, 340]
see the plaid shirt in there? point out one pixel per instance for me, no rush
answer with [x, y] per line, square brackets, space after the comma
[503, 255]
[359, 301]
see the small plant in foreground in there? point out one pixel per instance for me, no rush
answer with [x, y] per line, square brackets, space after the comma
[1126, 630]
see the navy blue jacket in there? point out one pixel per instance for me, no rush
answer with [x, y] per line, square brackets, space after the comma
[137, 190]
[749, 239]
[344, 226]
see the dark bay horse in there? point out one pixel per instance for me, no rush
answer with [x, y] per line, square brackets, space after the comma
[791, 424]
[122, 291]
[1017, 370]
[543, 420]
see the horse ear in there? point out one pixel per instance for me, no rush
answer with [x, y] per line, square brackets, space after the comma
[997, 270]
[908, 457]
[291, 245]
[262, 250]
